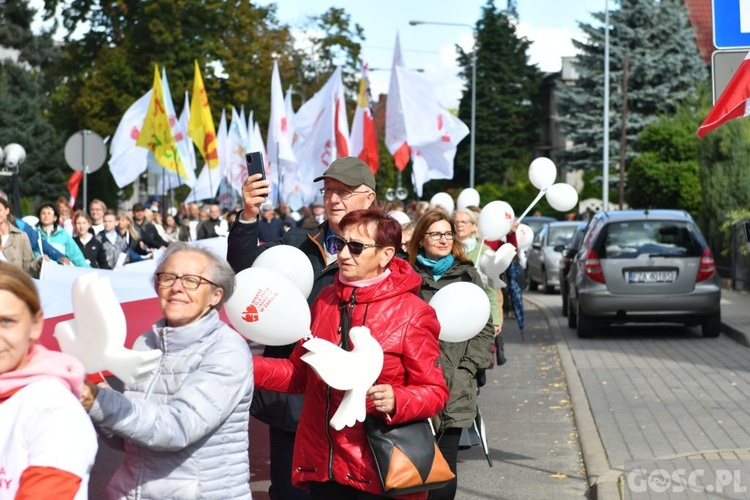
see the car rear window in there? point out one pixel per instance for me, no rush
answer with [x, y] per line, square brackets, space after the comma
[560, 235]
[628, 240]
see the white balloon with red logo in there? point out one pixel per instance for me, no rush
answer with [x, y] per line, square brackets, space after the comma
[268, 308]
[524, 237]
[462, 310]
[291, 262]
[495, 220]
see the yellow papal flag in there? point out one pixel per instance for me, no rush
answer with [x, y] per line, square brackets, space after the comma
[201, 125]
[156, 133]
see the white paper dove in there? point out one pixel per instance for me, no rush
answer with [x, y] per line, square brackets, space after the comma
[97, 334]
[350, 371]
[493, 264]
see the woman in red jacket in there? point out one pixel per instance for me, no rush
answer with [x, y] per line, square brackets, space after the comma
[375, 290]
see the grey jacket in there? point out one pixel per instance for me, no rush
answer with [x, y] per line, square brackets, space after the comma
[185, 428]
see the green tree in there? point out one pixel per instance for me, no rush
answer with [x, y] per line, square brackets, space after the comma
[664, 69]
[331, 40]
[508, 112]
[24, 103]
[666, 174]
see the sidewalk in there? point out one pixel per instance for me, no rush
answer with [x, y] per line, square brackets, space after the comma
[654, 417]
[735, 315]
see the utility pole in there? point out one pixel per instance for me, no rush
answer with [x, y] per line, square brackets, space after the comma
[624, 122]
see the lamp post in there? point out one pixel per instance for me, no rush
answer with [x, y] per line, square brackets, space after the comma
[605, 142]
[11, 158]
[473, 92]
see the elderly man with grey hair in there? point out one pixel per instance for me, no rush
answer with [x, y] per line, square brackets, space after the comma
[185, 427]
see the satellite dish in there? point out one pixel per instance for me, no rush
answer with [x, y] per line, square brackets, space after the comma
[85, 151]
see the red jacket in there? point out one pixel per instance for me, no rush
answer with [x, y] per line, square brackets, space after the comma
[407, 329]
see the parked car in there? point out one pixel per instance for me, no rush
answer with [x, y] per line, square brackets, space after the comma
[641, 266]
[543, 260]
[537, 221]
[568, 254]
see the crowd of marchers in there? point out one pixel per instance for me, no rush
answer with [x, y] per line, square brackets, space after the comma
[184, 428]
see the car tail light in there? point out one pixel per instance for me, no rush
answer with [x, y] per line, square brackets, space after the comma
[593, 267]
[707, 268]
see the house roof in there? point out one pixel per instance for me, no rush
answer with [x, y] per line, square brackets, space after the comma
[700, 18]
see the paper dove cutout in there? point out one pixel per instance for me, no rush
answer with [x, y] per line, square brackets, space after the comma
[350, 371]
[493, 264]
[97, 334]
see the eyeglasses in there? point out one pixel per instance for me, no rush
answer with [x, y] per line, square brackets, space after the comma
[435, 236]
[189, 281]
[355, 247]
[343, 194]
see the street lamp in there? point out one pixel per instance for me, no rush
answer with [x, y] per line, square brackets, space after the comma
[10, 159]
[473, 91]
[605, 146]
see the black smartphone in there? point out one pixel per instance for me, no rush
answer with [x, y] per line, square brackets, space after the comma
[255, 164]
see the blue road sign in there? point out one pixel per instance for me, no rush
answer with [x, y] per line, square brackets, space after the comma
[731, 21]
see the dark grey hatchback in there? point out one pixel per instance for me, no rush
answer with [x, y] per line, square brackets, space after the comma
[644, 266]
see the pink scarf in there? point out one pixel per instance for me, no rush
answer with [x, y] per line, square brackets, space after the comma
[366, 282]
[44, 364]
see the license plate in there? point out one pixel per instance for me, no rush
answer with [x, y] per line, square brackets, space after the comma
[651, 276]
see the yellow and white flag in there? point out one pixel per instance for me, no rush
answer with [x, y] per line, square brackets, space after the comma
[156, 133]
[201, 127]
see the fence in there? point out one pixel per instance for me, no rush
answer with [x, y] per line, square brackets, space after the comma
[740, 262]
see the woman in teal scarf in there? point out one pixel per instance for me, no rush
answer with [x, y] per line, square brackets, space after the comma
[439, 258]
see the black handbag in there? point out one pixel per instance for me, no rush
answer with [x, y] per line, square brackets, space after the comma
[407, 456]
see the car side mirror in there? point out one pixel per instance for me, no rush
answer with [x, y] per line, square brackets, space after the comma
[536, 246]
[568, 253]
[559, 248]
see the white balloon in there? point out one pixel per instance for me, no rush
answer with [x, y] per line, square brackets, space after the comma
[542, 173]
[444, 200]
[469, 197]
[562, 197]
[291, 262]
[462, 309]
[524, 237]
[268, 308]
[495, 220]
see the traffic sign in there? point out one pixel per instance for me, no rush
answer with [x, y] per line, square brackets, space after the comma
[731, 22]
[724, 64]
[85, 151]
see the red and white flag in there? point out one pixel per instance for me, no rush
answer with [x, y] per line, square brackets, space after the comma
[282, 162]
[364, 140]
[433, 132]
[73, 184]
[733, 103]
[323, 131]
[127, 161]
[395, 128]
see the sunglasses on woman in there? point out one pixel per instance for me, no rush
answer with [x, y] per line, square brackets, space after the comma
[355, 247]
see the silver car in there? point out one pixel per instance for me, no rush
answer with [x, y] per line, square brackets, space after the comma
[543, 260]
[644, 266]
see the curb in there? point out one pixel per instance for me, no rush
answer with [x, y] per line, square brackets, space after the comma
[603, 481]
